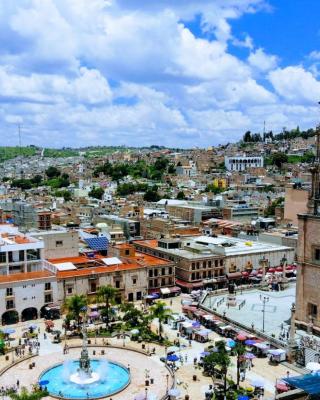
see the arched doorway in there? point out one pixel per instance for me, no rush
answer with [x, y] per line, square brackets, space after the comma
[10, 317]
[29, 314]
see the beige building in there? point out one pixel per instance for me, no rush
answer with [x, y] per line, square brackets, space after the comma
[58, 243]
[295, 203]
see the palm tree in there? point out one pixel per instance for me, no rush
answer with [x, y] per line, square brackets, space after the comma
[224, 361]
[240, 350]
[107, 294]
[161, 311]
[75, 305]
[25, 395]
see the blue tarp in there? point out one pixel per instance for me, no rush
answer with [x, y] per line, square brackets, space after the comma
[97, 243]
[309, 383]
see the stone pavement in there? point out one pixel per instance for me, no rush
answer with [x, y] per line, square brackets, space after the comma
[184, 376]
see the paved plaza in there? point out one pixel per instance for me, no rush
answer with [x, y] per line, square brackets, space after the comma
[51, 354]
[277, 309]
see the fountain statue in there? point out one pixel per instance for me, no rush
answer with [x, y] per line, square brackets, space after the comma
[84, 374]
[84, 361]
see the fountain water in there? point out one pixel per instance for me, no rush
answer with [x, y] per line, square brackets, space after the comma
[86, 378]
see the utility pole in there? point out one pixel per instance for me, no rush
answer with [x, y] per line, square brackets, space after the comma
[20, 151]
[264, 299]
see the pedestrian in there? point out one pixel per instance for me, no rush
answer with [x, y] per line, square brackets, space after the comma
[18, 383]
[288, 374]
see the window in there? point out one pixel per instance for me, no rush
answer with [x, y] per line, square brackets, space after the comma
[118, 284]
[204, 264]
[93, 287]
[221, 263]
[134, 281]
[150, 273]
[317, 254]
[209, 264]
[69, 290]
[198, 265]
[47, 286]
[193, 266]
[150, 283]
[155, 272]
[312, 310]
[9, 304]
[163, 271]
[216, 264]
[170, 270]
[9, 291]
[2, 257]
[127, 252]
[48, 298]
[21, 255]
[59, 243]
[193, 276]
[163, 282]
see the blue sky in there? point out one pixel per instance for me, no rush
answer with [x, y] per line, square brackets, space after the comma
[173, 72]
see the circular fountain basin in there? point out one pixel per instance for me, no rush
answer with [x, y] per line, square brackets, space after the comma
[107, 378]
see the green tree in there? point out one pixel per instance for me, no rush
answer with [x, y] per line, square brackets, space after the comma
[107, 294]
[160, 311]
[63, 193]
[96, 193]
[36, 180]
[239, 350]
[279, 159]
[224, 362]
[247, 137]
[75, 306]
[23, 184]
[26, 395]
[52, 172]
[181, 195]
[151, 195]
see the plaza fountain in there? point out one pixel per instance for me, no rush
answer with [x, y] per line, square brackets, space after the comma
[86, 378]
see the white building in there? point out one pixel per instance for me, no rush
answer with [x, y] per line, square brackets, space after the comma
[27, 281]
[242, 163]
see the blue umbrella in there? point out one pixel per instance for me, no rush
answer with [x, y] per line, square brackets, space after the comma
[32, 326]
[196, 324]
[231, 343]
[43, 383]
[249, 356]
[204, 353]
[173, 357]
[8, 331]
[250, 342]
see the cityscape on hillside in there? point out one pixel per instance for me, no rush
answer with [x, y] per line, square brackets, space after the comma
[159, 200]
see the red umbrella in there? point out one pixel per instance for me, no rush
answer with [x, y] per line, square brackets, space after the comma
[241, 337]
[282, 387]
[289, 268]
[271, 270]
[245, 273]
[260, 271]
[279, 269]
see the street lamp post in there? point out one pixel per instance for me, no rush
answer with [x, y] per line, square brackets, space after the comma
[146, 390]
[167, 377]
[264, 299]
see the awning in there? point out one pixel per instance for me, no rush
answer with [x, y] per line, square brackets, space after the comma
[189, 285]
[52, 306]
[309, 383]
[165, 290]
[234, 275]
[175, 289]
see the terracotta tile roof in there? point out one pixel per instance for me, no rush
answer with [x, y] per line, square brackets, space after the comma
[153, 243]
[73, 260]
[25, 276]
[97, 270]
